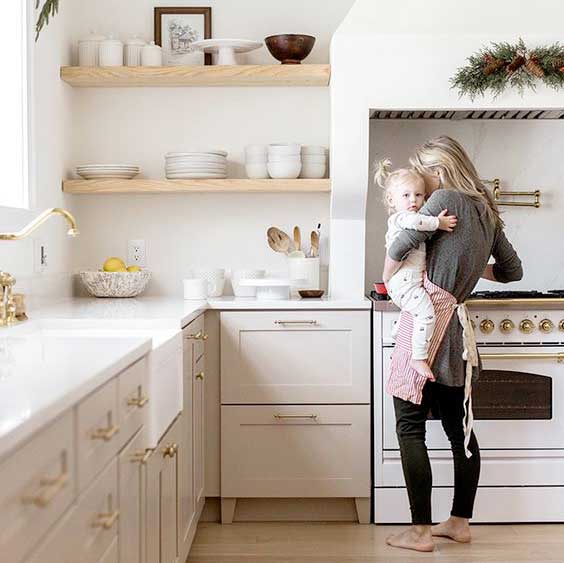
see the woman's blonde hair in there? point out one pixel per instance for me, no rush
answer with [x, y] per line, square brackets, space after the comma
[456, 172]
[386, 178]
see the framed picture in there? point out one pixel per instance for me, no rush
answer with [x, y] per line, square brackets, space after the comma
[175, 31]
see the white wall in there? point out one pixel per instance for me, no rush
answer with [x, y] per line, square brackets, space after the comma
[140, 125]
[51, 110]
[525, 155]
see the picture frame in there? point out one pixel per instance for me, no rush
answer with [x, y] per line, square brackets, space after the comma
[177, 27]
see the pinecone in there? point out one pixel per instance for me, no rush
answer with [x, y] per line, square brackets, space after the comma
[516, 64]
[534, 67]
[493, 65]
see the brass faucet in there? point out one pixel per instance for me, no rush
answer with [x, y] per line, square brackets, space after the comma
[7, 281]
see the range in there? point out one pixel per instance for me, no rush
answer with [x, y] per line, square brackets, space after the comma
[518, 406]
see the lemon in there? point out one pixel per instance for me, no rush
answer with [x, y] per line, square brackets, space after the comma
[133, 269]
[114, 265]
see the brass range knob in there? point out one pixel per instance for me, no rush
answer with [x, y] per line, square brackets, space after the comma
[170, 450]
[506, 325]
[527, 326]
[546, 325]
[487, 326]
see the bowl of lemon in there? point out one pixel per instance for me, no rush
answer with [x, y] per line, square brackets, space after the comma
[115, 279]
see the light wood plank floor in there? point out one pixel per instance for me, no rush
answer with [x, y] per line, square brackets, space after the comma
[353, 543]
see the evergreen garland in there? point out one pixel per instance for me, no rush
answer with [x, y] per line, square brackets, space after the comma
[504, 65]
[50, 8]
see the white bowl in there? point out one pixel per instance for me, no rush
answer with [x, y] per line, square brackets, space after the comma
[292, 159]
[258, 170]
[284, 169]
[256, 149]
[115, 284]
[314, 158]
[314, 149]
[256, 159]
[313, 170]
[284, 149]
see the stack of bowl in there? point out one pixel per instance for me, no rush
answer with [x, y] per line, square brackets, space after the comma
[284, 160]
[314, 161]
[255, 161]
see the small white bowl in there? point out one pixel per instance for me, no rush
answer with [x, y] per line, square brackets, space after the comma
[258, 170]
[280, 149]
[291, 158]
[284, 169]
[314, 158]
[255, 159]
[313, 170]
[314, 149]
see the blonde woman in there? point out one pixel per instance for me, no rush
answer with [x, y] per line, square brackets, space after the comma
[455, 263]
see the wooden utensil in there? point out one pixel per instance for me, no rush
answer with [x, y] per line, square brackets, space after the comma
[314, 237]
[278, 240]
[297, 238]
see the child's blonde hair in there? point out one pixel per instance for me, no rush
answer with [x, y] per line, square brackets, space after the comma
[386, 178]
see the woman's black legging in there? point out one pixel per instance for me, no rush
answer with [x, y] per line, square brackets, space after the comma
[447, 402]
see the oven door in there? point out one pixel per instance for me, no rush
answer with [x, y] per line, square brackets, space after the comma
[518, 401]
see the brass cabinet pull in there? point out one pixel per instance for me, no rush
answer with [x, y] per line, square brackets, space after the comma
[105, 434]
[200, 375]
[200, 335]
[52, 488]
[559, 356]
[280, 416]
[106, 520]
[170, 451]
[139, 402]
[141, 457]
[295, 322]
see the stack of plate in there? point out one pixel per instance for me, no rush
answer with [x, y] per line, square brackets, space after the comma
[119, 171]
[196, 164]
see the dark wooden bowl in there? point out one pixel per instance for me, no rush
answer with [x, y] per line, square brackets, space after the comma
[311, 293]
[290, 49]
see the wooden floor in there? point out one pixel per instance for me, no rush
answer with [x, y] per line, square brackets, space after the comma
[352, 543]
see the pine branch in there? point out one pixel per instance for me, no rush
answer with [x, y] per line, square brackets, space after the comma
[50, 8]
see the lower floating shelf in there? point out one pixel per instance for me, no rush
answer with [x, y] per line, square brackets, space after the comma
[231, 185]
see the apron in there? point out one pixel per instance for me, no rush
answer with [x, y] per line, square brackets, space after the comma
[406, 383]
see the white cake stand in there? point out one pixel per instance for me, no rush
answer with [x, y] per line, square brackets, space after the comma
[270, 288]
[225, 49]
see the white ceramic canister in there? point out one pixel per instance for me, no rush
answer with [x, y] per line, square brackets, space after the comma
[89, 49]
[195, 288]
[215, 278]
[306, 270]
[133, 47]
[111, 52]
[151, 55]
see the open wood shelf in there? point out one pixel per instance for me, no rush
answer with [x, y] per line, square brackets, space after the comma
[236, 75]
[231, 185]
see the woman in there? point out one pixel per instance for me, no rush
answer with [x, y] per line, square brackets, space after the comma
[455, 263]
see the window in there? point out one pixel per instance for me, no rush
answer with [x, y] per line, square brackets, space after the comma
[14, 110]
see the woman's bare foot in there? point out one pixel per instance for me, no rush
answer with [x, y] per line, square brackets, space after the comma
[455, 528]
[418, 538]
[422, 367]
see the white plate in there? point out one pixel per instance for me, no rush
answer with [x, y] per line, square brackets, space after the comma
[195, 175]
[128, 166]
[216, 152]
[195, 168]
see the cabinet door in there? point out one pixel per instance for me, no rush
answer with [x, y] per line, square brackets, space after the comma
[162, 497]
[130, 471]
[295, 357]
[198, 434]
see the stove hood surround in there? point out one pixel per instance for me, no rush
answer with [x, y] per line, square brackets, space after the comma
[400, 56]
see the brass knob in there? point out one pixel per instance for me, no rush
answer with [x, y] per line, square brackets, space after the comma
[487, 326]
[205, 336]
[170, 451]
[506, 325]
[546, 325]
[200, 375]
[561, 325]
[527, 326]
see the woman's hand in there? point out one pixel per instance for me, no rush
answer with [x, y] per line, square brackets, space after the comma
[446, 222]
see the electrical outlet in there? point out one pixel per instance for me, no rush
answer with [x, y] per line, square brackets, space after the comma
[136, 253]
[39, 256]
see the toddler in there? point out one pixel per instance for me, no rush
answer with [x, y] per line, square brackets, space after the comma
[404, 195]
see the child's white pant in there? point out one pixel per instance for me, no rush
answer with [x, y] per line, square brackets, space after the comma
[407, 292]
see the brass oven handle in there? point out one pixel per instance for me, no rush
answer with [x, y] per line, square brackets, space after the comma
[105, 434]
[295, 322]
[280, 416]
[142, 456]
[53, 486]
[138, 402]
[558, 356]
[106, 520]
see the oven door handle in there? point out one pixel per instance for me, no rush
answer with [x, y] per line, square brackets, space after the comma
[558, 356]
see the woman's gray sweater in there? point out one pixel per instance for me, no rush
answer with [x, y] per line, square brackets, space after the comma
[455, 262]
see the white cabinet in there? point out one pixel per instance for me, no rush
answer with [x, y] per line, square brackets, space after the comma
[295, 357]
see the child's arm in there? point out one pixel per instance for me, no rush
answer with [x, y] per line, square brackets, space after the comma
[420, 222]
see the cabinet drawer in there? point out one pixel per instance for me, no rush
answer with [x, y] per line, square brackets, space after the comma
[38, 484]
[295, 451]
[98, 431]
[133, 400]
[295, 357]
[87, 532]
[195, 335]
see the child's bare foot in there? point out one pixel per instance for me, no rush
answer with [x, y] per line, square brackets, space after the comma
[418, 538]
[422, 367]
[455, 528]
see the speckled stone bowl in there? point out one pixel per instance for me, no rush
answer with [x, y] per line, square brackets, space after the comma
[115, 284]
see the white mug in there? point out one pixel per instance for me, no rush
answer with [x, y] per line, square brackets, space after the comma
[215, 278]
[195, 288]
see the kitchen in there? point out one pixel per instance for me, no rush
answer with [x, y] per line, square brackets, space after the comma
[185, 231]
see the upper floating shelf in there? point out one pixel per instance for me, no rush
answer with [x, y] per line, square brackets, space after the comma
[236, 75]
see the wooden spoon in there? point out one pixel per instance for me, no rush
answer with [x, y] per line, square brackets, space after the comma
[278, 240]
[297, 238]
[314, 237]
